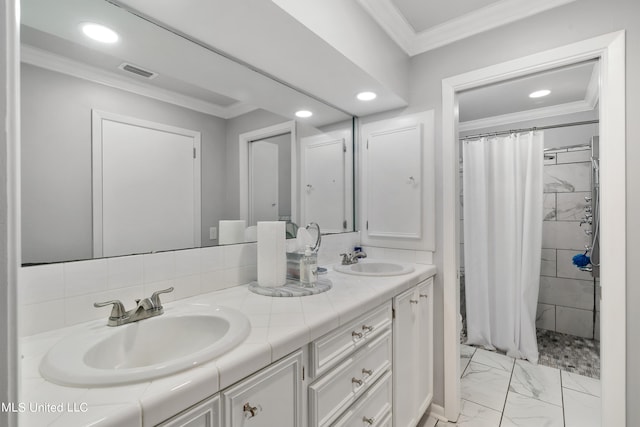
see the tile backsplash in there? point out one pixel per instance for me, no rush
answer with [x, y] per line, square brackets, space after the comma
[53, 296]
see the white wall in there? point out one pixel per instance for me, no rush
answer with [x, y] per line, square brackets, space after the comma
[567, 24]
[9, 198]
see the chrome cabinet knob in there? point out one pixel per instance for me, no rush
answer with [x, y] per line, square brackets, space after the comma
[369, 421]
[356, 381]
[249, 411]
[367, 371]
[356, 334]
[367, 328]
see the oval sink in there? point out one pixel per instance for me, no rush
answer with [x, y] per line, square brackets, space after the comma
[375, 268]
[144, 350]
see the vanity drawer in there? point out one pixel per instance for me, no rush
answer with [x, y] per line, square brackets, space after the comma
[373, 409]
[332, 394]
[272, 397]
[330, 349]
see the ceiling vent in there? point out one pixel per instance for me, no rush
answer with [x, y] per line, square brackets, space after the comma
[138, 71]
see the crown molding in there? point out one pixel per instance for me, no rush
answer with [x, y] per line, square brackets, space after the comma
[387, 15]
[523, 116]
[502, 12]
[53, 62]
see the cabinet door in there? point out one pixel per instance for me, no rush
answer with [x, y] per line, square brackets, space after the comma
[425, 346]
[398, 182]
[405, 358]
[205, 414]
[272, 397]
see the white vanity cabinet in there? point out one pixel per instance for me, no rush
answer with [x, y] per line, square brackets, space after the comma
[272, 397]
[412, 354]
[351, 370]
[204, 414]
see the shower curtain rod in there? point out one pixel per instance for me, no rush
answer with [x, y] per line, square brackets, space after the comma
[507, 132]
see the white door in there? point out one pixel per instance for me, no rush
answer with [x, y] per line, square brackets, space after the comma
[405, 357]
[398, 182]
[263, 188]
[323, 182]
[394, 180]
[425, 346]
[146, 186]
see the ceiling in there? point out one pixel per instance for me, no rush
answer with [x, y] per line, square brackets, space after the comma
[573, 89]
[423, 15]
[297, 42]
[418, 26]
[188, 74]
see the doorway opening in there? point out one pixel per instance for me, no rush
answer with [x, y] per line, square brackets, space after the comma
[609, 50]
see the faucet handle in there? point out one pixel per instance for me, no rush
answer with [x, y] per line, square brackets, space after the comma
[346, 258]
[155, 297]
[117, 312]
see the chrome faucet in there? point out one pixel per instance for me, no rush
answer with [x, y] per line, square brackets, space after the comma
[145, 308]
[352, 257]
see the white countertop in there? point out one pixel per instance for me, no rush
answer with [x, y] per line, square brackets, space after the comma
[279, 326]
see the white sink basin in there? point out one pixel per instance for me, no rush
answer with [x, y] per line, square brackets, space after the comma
[144, 350]
[375, 268]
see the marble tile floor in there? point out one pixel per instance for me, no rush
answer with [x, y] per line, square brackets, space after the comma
[499, 391]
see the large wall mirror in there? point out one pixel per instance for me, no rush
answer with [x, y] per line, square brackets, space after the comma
[154, 142]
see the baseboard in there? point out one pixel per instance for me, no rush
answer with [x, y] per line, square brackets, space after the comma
[437, 411]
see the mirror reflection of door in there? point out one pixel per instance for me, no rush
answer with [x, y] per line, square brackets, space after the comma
[324, 175]
[270, 179]
[146, 186]
[264, 182]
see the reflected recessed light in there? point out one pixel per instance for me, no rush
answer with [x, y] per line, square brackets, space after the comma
[539, 93]
[99, 33]
[304, 114]
[366, 96]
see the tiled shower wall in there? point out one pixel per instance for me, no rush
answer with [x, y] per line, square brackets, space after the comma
[566, 296]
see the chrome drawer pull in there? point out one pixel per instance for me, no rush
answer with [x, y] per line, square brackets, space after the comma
[367, 328]
[355, 334]
[369, 421]
[367, 371]
[354, 380]
[424, 296]
[413, 301]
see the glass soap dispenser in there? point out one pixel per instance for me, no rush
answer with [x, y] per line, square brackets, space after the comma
[309, 268]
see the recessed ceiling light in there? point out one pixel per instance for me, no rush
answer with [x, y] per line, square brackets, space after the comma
[539, 93]
[304, 114]
[99, 32]
[366, 96]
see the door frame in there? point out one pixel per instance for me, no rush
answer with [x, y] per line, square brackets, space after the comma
[243, 155]
[610, 50]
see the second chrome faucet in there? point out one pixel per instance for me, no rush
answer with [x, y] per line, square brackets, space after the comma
[145, 308]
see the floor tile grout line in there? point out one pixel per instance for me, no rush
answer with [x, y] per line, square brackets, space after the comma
[564, 417]
[506, 396]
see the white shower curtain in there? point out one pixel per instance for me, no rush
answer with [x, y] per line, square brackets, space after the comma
[503, 214]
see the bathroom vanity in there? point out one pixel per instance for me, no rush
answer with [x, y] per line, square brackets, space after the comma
[360, 354]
